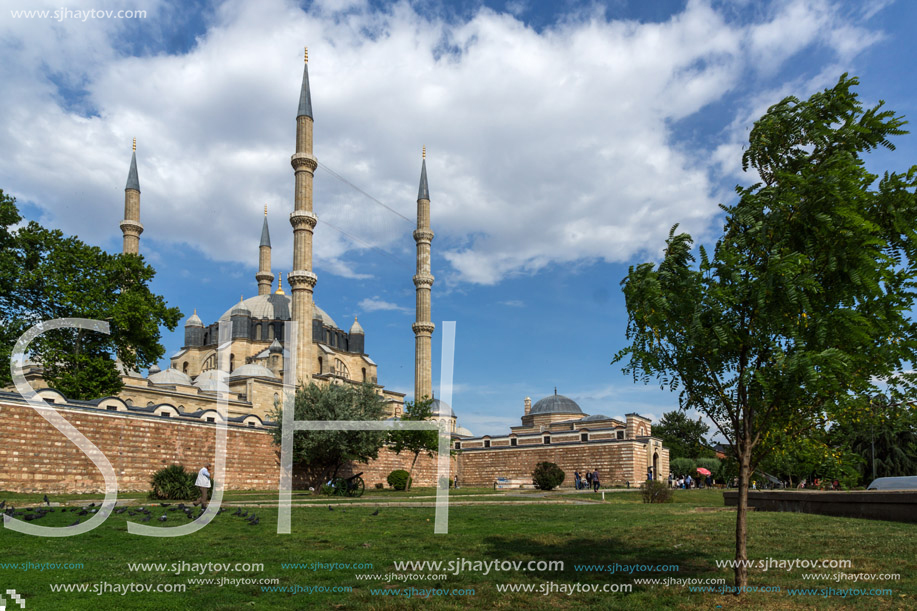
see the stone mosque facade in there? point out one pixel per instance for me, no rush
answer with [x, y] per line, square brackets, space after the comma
[554, 428]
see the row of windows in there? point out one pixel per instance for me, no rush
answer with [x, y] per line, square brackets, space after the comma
[546, 440]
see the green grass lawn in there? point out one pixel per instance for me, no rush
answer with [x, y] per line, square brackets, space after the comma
[693, 533]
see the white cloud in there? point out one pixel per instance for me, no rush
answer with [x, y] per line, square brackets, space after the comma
[543, 147]
[375, 304]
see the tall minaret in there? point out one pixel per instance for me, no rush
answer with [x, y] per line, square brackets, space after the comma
[423, 280]
[301, 279]
[264, 276]
[130, 226]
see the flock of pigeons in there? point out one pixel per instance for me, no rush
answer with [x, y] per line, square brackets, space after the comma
[30, 514]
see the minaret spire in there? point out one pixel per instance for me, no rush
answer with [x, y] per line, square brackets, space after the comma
[264, 276]
[423, 281]
[130, 226]
[301, 279]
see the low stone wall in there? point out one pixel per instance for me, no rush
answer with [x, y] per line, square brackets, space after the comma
[36, 457]
[897, 506]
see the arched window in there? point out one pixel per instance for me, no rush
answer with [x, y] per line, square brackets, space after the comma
[320, 365]
[129, 402]
[150, 404]
[232, 362]
[340, 369]
[257, 332]
[364, 374]
[270, 331]
[184, 367]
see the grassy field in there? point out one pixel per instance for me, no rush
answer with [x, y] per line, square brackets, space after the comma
[693, 533]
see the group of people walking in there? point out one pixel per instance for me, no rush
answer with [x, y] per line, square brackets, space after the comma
[687, 482]
[591, 480]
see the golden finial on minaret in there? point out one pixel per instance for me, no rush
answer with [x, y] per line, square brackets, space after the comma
[279, 290]
[265, 209]
[135, 144]
[306, 56]
[425, 151]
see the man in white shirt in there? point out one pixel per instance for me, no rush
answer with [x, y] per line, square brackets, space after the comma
[203, 483]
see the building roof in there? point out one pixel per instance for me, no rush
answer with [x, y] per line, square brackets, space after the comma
[463, 432]
[356, 327]
[305, 95]
[169, 376]
[441, 408]
[212, 379]
[194, 320]
[133, 181]
[556, 404]
[276, 307]
[594, 418]
[424, 191]
[265, 234]
[252, 370]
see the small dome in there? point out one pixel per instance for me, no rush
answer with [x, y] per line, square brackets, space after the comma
[594, 418]
[169, 376]
[240, 309]
[154, 368]
[212, 379]
[463, 432]
[356, 328]
[253, 370]
[556, 404]
[275, 347]
[194, 320]
[441, 408]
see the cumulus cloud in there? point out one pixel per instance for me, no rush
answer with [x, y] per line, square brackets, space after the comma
[544, 147]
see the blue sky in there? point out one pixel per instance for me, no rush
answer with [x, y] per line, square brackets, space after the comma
[564, 140]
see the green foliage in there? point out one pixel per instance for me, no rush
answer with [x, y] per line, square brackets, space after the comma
[806, 299]
[173, 483]
[323, 453]
[656, 491]
[888, 428]
[415, 442]
[399, 479]
[710, 464]
[683, 466]
[46, 275]
[547, 476]
[682, 436]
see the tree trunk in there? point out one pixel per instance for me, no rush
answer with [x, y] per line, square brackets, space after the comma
[741, 568]
[411, 471]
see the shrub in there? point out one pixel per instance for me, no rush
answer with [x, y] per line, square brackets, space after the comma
[398, 479]
[326, 489]
[547, 476]
[683, 466]
[379, 485]
[173, 483]
[655, 491]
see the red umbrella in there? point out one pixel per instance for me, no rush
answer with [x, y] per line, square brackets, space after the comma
[703, 471]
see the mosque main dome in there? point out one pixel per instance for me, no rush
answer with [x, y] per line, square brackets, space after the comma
[556, 404]
[276, 306]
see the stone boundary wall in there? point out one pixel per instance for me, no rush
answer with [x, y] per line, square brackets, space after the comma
[36, 457]
[617, 462]
[897, 506]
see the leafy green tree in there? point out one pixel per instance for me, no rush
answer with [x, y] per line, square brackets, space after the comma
[46, 275]
[682, 436]
[888, 431]
[415, 442]
[806, 299]
[323, 454]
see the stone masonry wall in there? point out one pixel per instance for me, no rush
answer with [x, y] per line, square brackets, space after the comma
[36, 457]
[617, 462]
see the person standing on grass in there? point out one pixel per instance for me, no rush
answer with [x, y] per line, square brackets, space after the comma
[577, 480]
[588, 479]
[203, 484]
[595, 480]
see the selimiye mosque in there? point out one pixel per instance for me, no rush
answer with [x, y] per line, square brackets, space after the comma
[327, 354]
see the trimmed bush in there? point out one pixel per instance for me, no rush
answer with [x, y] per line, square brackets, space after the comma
[655, 491]
[547, 476]
[398, 479]
[173, 483]
[683, 466]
